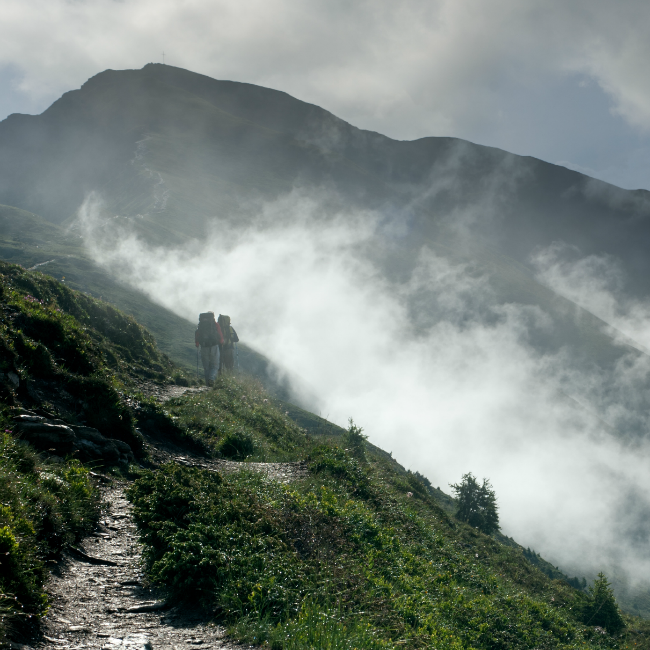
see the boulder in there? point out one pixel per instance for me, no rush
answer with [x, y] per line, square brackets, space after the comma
[44, 435]
[95, 446]
[87, 443]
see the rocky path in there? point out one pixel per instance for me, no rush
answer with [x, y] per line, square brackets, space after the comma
[99, 595]
[103, 601]
[169, 391]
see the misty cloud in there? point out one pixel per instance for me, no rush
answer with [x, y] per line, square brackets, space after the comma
[431, 366]
[597, 283]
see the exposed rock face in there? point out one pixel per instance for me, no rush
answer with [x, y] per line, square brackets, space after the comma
[85, 443]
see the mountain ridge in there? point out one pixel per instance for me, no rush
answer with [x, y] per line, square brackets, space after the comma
[407, 166]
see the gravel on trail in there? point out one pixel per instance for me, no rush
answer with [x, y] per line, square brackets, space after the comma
[100, 598]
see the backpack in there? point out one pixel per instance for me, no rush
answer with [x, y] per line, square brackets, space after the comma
[207, 331]
[224, 324]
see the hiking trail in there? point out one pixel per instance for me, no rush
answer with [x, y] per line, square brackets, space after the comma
[100, 597]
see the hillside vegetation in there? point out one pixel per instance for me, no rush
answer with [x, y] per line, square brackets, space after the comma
[66, 361]
[352, 551]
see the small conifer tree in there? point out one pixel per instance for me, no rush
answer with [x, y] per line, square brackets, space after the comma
[477, 504]
[355, 440]
[602, 609]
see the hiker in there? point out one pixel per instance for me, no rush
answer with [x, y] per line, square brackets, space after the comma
[208, 335]
[227, 357]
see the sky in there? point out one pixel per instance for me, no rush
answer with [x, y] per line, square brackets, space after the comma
[562, 81]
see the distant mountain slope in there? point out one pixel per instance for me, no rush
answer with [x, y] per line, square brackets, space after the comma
[166, 143]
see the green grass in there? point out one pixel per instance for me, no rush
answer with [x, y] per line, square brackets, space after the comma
[238, 420]
[74, 356]
[44, 506]
[344, 557]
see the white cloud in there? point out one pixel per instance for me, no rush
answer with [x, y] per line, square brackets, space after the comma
[432, 368]
[597, 283]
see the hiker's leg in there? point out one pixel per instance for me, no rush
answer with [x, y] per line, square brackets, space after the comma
[205, 360]
[228, 358]
[214, 362]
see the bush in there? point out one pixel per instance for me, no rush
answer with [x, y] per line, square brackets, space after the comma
[238, 445]
[602, 609]
[477, 504]
[44, 508]
[354, 440]
[316, 626]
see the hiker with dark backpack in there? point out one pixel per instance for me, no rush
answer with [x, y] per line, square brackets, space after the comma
[209, 336]
[227, 357]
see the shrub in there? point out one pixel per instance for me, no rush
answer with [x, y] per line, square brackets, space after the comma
[602, 608]
[44, 508]
[237, 445]
[354, 440]
[477, 504]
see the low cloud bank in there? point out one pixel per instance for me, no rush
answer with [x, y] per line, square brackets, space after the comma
[597, 283]
[431, 367]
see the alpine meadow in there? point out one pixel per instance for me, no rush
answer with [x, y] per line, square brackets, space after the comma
[437, 431]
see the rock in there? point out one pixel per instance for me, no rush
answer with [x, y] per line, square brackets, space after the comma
[109, 453]
[28, 416]
[124, 449]
[88, 433]
[133, 641]
[89, 449]
[44, 435]
[154, 606]
[77, 628]
[19, 410]
[95, 446]
[13, 378]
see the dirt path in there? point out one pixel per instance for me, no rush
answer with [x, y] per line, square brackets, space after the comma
[99, 595]
[103, 601]
[109, 605]
[167, 392]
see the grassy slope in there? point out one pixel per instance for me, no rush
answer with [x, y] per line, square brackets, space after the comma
[73, 355]
[343, 552]
[65, 356]
[346, 542]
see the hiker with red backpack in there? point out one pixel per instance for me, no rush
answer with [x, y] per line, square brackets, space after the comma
[209, 336]
[227, 348]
